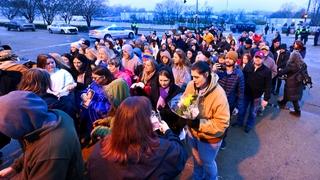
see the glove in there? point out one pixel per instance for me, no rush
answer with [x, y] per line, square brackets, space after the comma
[194, 124]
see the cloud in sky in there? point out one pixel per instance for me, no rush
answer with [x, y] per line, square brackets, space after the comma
[219, 5]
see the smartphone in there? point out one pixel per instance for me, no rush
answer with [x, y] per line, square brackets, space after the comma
[155, 120]
[86, 98]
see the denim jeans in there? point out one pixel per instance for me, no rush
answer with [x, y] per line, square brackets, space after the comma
[204, 158]
[253, 105]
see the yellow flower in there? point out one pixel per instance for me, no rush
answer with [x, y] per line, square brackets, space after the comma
[186, 101]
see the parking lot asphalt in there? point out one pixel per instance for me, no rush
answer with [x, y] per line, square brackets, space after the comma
[280, 147]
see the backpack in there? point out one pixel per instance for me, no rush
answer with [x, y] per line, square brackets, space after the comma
[303, 76]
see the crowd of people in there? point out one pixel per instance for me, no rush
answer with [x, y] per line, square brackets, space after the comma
[104, 96]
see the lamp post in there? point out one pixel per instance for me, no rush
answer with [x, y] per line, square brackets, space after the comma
[305, 16]
[197, 13]
[197, 16]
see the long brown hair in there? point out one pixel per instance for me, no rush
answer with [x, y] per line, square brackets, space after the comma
[36, 80]
[184, 61]
[132, 134]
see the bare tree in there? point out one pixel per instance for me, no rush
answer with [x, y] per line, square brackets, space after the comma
[9, 8]
[169, 10]
[27, 8]
[315, 14]
[69, 9]
[49, 9]
[286, 11]
[160, 12]
[89, 9]
[207, 12]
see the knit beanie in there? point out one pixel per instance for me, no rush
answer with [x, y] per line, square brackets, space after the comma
[128, 48]
[75, 45]
[232, 55]
[165, 54]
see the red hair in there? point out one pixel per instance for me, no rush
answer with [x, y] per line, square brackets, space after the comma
[132, 135]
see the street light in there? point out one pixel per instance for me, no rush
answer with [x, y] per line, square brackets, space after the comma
[197, 18]
[305, 16]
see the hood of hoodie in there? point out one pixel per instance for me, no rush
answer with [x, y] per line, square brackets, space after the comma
[23, 112]
[129, 49]
[212, 85]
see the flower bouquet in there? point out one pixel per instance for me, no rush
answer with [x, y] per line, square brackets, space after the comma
[185, 106]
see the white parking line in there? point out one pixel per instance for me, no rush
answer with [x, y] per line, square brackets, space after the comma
[51, 46]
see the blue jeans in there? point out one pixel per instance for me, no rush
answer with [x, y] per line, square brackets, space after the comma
[204, 158]
[253, 105]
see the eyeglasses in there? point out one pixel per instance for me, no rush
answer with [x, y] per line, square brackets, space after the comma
[95, 78]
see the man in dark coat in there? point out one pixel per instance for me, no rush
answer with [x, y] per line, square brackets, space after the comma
[257, 83]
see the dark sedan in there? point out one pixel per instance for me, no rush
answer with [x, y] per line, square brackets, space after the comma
[20, 25]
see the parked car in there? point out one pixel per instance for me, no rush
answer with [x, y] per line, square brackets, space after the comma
[113, 31]
[240, 27]
[20, 25]
[291, 28]
[62, 28]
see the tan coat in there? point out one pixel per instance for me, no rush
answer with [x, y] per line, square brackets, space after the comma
[214, 111]
[13, 66]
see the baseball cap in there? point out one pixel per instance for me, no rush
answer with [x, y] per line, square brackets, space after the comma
[265, 47]
[259, 54]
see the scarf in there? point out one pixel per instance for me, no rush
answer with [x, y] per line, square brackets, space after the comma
[164, 92]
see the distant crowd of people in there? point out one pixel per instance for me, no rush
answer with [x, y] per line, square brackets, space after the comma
[103, 96]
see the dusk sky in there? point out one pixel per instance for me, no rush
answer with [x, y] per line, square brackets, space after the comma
[219, 5]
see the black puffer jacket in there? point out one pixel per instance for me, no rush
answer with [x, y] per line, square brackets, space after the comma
[292, 89]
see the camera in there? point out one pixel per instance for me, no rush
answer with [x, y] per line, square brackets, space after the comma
[222, 67]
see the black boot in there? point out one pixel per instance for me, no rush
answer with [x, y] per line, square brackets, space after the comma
[295, 113]
[281, 105]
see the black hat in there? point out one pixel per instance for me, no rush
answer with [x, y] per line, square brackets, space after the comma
[248, 41]
[6, 47]
[86, 42]
[206, 54]
[283, 46]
